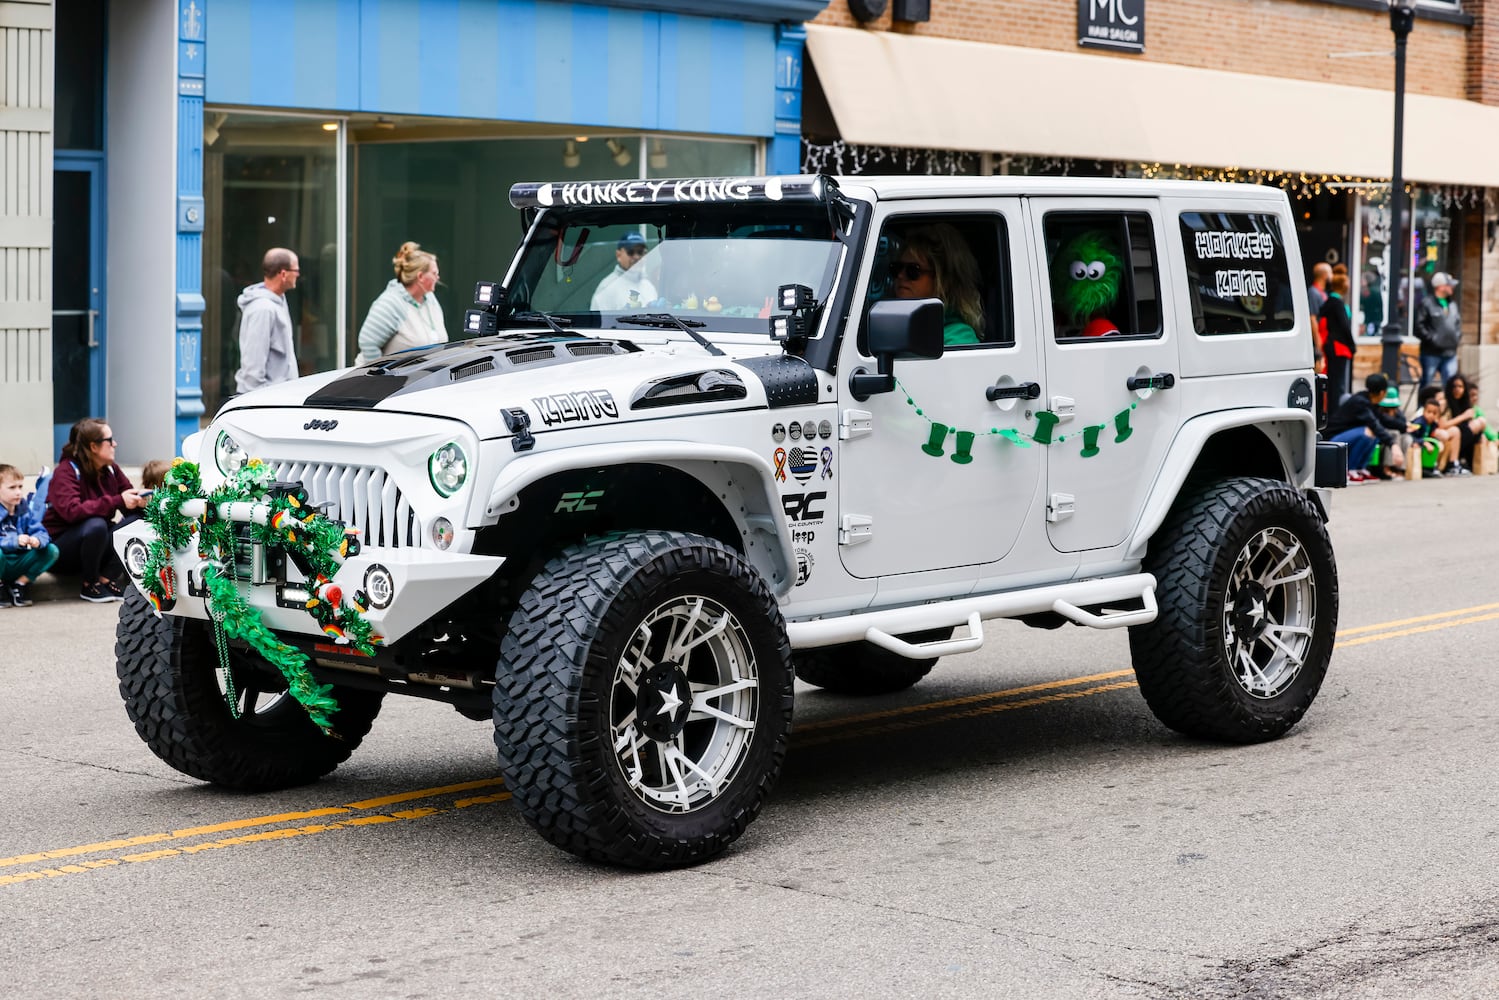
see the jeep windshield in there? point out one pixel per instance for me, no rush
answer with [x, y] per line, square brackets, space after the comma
[718, 265]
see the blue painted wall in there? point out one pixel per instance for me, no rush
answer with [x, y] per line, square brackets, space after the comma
[516, 60]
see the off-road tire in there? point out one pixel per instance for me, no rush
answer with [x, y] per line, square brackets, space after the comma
[862, 668]
[1200, 660]
[169, 678]
[563, 695]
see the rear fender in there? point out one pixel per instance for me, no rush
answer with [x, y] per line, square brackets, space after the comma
[1273, 443]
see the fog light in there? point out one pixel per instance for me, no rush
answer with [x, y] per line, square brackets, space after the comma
[136, 554]
[442, 532]
[380, 585]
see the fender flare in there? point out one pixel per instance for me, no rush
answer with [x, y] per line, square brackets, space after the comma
[1187, 448]
[516, 476]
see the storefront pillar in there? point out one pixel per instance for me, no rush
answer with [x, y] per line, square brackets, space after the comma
[188, 385]
[785, 153]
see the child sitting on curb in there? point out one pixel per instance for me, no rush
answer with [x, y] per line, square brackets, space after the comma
[153, 473]
[26, 550]
[1428, 430]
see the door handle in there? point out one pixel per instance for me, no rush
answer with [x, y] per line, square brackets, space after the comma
[92, 314]
[1159, 380]
[1021, 390]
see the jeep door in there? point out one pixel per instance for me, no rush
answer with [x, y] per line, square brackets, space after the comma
[928, 479]
[1102, 295]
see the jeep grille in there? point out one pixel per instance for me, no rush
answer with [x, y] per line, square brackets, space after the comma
[361, 497]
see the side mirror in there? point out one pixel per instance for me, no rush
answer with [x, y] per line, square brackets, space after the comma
[898, 328]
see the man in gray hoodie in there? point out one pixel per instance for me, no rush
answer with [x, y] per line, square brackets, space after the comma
[267, 351]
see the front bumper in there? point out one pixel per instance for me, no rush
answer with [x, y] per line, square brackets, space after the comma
[406, 586]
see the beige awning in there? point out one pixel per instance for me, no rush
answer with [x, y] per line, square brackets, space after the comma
[937, 93]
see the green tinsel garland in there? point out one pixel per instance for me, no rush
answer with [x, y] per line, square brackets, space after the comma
[318, 542]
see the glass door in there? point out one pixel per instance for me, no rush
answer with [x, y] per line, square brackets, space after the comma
[77, 294]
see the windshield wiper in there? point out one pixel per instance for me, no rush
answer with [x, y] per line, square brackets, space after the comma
[665, 320]
[533, 315]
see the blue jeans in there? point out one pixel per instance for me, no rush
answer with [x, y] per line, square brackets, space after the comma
[1360, 446]
[1435, 362]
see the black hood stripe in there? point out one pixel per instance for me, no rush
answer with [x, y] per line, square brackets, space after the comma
[443, 364]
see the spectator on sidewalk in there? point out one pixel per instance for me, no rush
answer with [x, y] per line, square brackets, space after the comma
[154, 473]
[88, 490]
[1316, 297]
[1428, 430]
[267, 348]
[1392, 459]
[26, 550]
[1356, 423]
[1464, 416]
[1336, 324]
[1439, 329]
[406, 314]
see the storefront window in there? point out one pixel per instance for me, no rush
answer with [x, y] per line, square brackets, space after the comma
[268, 181]
[1373, 289]
[452, 197]
[1434, 243]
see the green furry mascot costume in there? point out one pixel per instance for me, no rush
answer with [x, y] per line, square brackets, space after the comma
[1085, 279]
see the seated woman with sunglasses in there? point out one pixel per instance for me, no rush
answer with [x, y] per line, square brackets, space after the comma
[87, 489]
[935, 263]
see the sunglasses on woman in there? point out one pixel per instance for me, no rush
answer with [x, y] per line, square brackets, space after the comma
[908, 271]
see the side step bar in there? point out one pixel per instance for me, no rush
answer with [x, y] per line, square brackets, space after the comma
[1069, 600]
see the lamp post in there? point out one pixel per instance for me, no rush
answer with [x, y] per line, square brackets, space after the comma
[1402, 18]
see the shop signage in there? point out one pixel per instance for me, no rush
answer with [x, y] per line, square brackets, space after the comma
[1111, 24]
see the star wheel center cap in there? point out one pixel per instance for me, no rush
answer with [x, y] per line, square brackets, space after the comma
[1251, 612]
[663, 700]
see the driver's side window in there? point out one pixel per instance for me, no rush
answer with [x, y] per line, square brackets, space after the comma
[962, 260]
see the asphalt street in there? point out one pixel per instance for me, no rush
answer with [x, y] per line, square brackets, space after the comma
[1018, 825]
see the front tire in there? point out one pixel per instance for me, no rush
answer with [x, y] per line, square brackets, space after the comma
[642, 703]
[1248, 594]
[168, 670]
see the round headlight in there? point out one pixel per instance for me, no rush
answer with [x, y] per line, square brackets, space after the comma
[227, 454]
[448, 468]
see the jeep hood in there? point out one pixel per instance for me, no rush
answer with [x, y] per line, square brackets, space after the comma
[557, 381]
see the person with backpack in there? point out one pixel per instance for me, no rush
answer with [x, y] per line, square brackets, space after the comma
[26, 550]
[1439, 329]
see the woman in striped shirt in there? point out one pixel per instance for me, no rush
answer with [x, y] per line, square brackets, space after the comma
[407, 313]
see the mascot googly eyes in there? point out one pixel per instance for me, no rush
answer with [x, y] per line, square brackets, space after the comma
[1085, 282]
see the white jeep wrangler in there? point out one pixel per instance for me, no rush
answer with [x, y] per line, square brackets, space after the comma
[697, 444]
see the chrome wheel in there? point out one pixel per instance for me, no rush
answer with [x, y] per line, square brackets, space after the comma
[684, 704]
[1269, 612]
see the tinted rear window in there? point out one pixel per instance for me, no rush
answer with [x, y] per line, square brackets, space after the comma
[1237, 273]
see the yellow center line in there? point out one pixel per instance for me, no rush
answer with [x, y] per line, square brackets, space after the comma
[241, 824]
[263, 836]
[1416, 631]
[824, 731]
[1413, 621]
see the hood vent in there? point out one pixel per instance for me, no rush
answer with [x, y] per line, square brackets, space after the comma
[471, 368]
